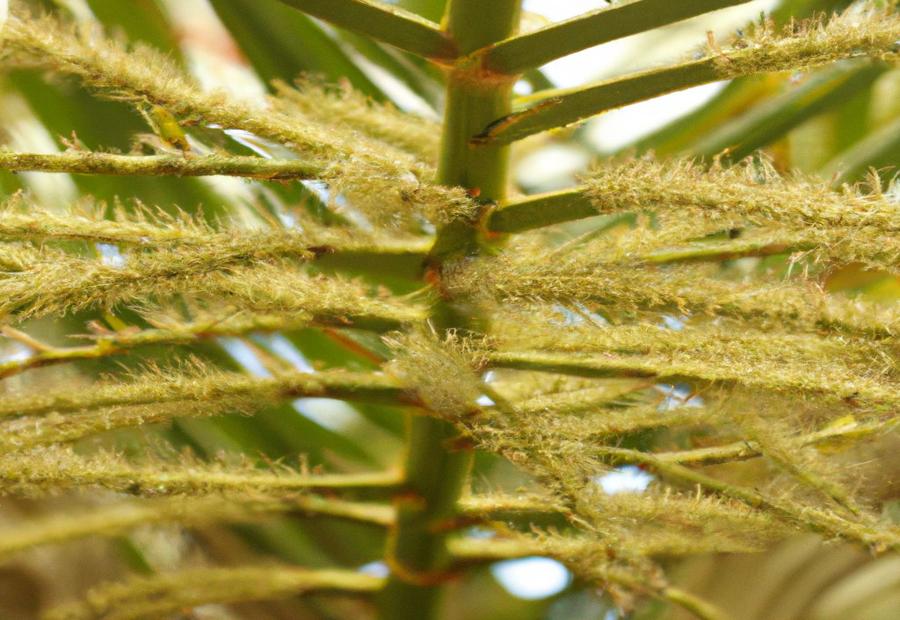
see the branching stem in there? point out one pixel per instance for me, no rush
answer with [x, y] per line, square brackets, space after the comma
[435, 472]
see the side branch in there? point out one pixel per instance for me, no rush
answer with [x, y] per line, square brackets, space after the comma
[160, 595]
[384, 22]
[824, 522]
[530, 212]
[789, 214]
[118, 518]
[83, 162]
[53, 468]
[518, 54]
[171, 334]
[236, 389]
[833, 382]
[743, 450]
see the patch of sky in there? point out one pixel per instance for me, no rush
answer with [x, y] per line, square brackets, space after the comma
[680, 395]
[260, 146]
[244, 355]
[532, 578]
[286, 350]
[111, 255]
[15, 352]
[578, 315]
[375, 569]
[335, 415]
[485, 401]
[625, 479]
[480, 533]
[673, 323]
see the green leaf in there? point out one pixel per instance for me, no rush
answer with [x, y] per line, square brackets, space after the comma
[282, 43]
[143, 21]
[429, 9]
[765, 123]
[880, 150]
[419, 75]
[383, 22]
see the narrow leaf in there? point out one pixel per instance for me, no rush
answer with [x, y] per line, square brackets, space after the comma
[384, 22]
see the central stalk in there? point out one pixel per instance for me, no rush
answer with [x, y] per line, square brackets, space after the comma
[435, 471]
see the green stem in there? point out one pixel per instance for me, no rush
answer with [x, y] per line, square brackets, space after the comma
[541, 210]
[435, 473]
[56, 468]
[744, 450]
[561, 107]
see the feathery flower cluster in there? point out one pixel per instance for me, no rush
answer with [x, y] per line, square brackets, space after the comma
[690, 200]
[166, 594]
[861, 30]
[353, 162]
[309, 100]
[629, 291]
[182, 255]
[51, 469]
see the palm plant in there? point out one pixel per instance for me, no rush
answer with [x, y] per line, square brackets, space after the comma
[706, 315]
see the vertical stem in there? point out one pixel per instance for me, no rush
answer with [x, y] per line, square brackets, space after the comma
[435, 472]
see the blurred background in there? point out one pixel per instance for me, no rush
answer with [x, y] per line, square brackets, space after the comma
[837, 122]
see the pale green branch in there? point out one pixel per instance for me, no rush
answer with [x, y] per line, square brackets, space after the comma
[517, 54]
[158, 388]
[52, 468]
[194, 332]
[78, 162]
[537, 211]
[160, 399]
[158, 596]
[862, 531]
[743, 450]
[381, 21]
[726, 250]
[254, 275]
[790, 376]
[115, 519]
